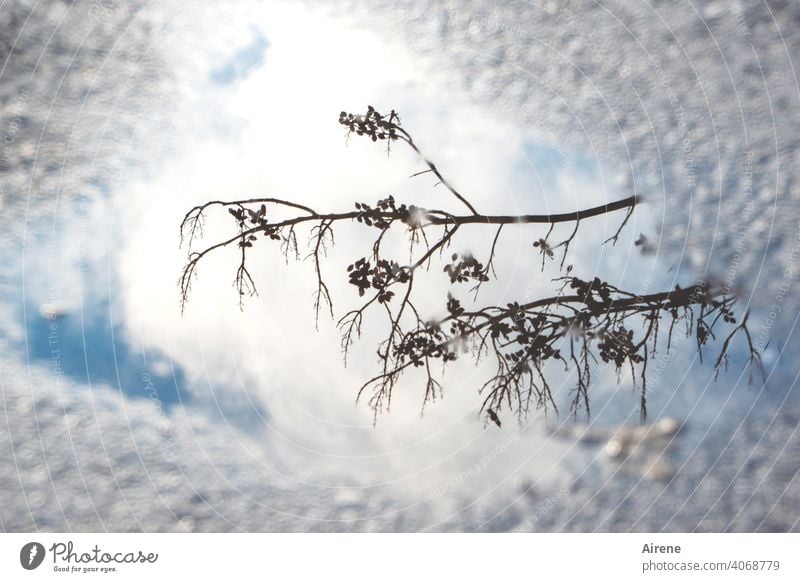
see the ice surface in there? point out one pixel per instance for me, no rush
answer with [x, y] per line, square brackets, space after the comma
[684, 106]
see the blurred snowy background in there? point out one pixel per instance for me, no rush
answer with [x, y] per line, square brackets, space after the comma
[121, 415]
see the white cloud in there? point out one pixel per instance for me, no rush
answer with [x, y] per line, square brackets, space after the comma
[280, 138]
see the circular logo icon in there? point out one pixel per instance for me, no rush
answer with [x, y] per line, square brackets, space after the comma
[31, 555]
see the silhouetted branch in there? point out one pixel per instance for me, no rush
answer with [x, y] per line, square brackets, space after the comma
[586, 322]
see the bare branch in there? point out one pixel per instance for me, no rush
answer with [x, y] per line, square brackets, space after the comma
[592, 321]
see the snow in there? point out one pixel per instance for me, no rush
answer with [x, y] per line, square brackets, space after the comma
[120, 121]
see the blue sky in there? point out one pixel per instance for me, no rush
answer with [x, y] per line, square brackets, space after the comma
[257, 116]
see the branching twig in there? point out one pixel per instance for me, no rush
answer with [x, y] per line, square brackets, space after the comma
[590, 320]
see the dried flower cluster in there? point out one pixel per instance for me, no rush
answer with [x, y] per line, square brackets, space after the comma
[583, 323]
